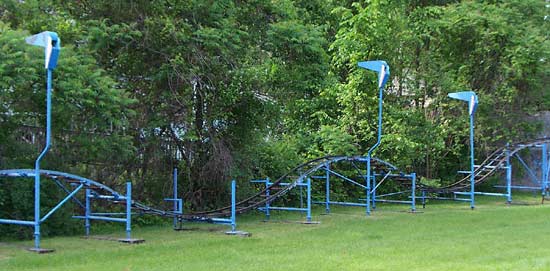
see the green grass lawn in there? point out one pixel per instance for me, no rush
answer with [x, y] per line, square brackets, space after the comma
[444, 236]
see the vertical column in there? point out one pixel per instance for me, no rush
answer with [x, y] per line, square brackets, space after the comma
[374, 190]
[413, 192]
[128, 210]
[37, 211]
[327, 188]
[176, 202]
[37, 206]
[368, 185]
[308, 216]
[87, 212]
[472, 176]
[508, 176]
[544, 175]
[233, 203]
[37, 162]
[301, 181]
[267, 194]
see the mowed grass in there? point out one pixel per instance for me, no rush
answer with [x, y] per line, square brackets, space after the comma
[444, 236]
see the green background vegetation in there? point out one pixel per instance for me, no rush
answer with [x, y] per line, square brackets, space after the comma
[247, 89]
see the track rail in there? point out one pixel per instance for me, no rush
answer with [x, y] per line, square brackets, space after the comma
[494, 162]
[292, 178]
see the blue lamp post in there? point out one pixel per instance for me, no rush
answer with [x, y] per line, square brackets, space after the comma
[383, 70]
[471, 98]
[52, 45]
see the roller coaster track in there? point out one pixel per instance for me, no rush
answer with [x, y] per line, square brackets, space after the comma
[285, 183]
[494, 162]
[280, 187]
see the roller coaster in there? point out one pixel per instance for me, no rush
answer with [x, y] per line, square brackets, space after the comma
[299, 176]
[368, 177]
[499, 160]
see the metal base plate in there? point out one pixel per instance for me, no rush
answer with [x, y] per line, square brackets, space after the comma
[40, 250]
[131, 241]
[311, 222]
[415, 212]
[239, 233]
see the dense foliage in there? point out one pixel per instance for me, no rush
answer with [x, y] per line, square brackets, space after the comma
[244, 89]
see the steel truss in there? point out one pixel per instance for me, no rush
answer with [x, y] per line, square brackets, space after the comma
[305, 174]
[499, 160]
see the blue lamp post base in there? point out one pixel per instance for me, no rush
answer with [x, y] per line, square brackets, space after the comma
[131, 241]
[239, 233]
[41, 250]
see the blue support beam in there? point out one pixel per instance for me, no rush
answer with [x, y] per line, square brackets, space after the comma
[267, 203]
[308, 201]
[383, 70]
[368, 190]
[233, 220]
[413, 193]
[471, 98]
[277, 208]
[52, 44]
[374, 191]
[508, 177]
[308, 216]
[178, 203]
[103, 218]
[61, 203]
[327, 188]
[233, 205]
[527, 168]
[17, 222]
[482, 193]
[60, 185]
[346, 178]
[128, 210]
[391, 194]
[523, 187]
[341, 203]
[472, 169]
[87, 212]
[544, 176]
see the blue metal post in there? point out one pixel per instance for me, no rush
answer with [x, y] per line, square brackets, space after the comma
[87, 212]
[233, 203]
[52, 44]
[413, 192]
[327, 187]
[471, 98]
[374, 191]
[368, 186]
[128, 210]
[176, 210]
[308, 216]
[37, 162]
[301, 196]
[383, 70]
[544, 181]
[472, 177]
[379, 139]
[508, 176]
[267, 185]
